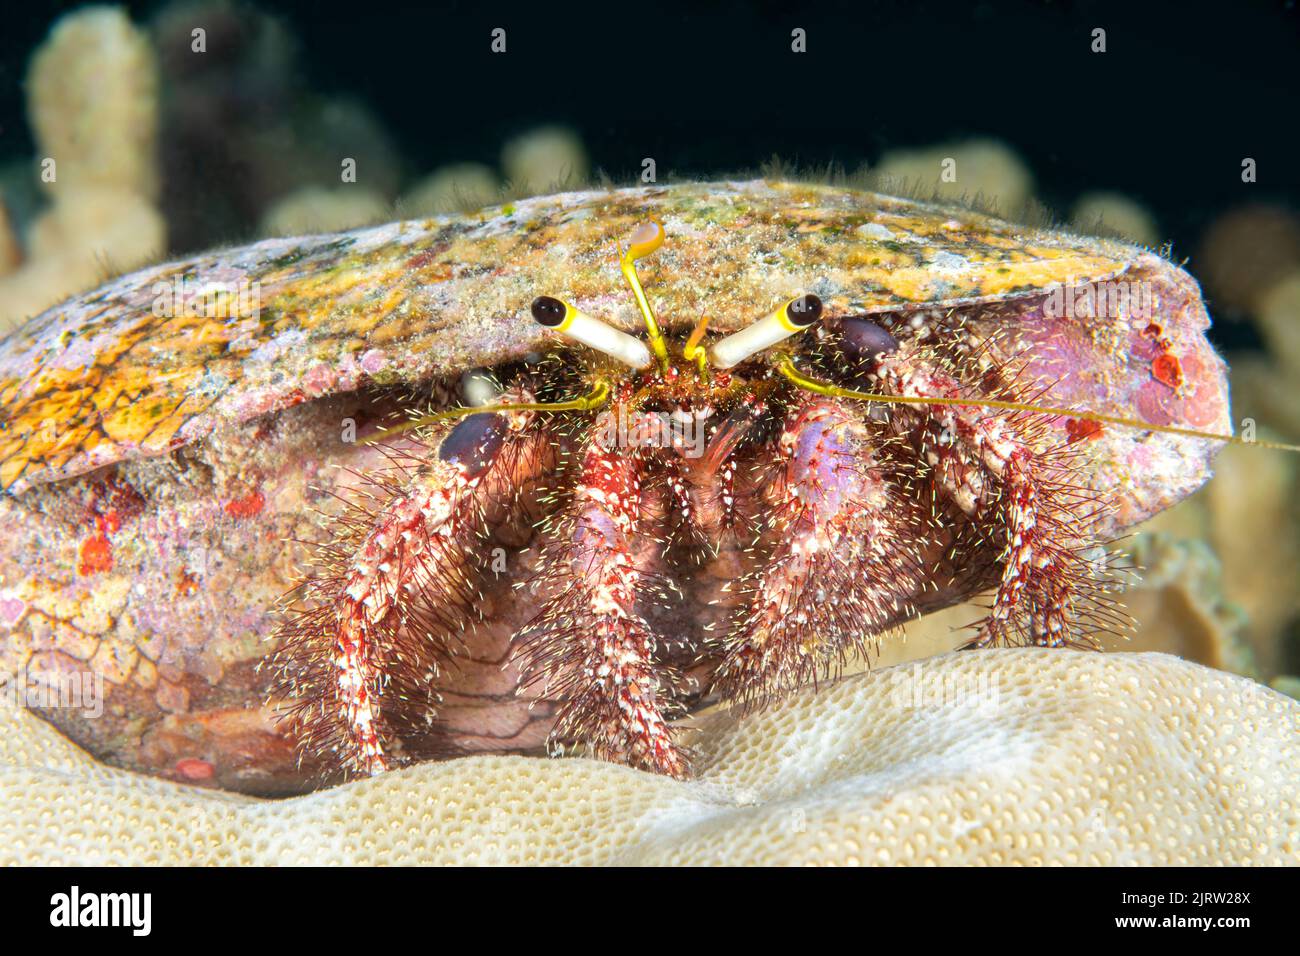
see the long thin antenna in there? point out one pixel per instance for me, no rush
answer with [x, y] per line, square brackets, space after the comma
[597, 397]
[786, 367]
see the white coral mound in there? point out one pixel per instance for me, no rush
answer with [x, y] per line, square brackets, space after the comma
[1009, 756]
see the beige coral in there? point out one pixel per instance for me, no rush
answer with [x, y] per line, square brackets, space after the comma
[92, 100]
[84, 238]
[313, 209]
[984, 168]
[92, 92]
[10, 251]
[455, 188]
[1009, 756]
[545, 159]
[1108, 213]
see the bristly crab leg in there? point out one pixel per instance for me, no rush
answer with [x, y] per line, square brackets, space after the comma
[397, 587]
[842, 559]
[588, 646]
[987, 465]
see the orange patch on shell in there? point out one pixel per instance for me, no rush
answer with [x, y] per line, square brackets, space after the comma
[1080, 429]
[1166, 369]
[192, 768]
[96, 555]
[247, 506]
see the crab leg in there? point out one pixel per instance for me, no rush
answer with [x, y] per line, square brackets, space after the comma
[588, 646]
[841, 565]
[408, 570]
[987, 466]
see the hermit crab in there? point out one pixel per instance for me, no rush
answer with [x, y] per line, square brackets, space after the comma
[334, 504]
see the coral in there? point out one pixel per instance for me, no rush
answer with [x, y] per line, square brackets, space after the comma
[545, 159]
[1245, 252]
[454, 188]
[1250, 515]
[1279, 320]
[1180, 607]
[241, 129]
[985, 168]
[92, 93]
[1112, 214]
[313, 209]
[86, 236]
[1005, 756]
[10, 251]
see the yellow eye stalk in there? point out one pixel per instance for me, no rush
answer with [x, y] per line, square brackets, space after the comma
[791, 319]
[593, 333]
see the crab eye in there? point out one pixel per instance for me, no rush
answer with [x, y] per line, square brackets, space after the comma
[804, 311]
[793, 317]
[549, 311]
[593, 333]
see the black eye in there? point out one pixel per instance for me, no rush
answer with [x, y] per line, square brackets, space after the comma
[805, 310]
[548, 311]
[863, 339]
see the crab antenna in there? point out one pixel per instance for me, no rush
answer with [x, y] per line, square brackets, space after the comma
[569, 322]
[692, 351]
[795, 316]
[644, 240]
[595, 398]
[785, 365]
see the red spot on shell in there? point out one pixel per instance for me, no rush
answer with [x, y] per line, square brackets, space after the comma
[1080, 429]
[192, 768]
[96, 555]
[1166, 370]
[247, 506]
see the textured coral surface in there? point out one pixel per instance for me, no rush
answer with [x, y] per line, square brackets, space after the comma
[1003, 756]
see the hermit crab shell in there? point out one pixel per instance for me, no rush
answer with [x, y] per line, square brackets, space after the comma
[158, 435]
[109, 375]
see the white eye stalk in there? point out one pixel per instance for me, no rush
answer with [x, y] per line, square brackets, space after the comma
[793, 317]
[569, 322]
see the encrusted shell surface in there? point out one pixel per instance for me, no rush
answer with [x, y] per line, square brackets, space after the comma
[102, 377]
